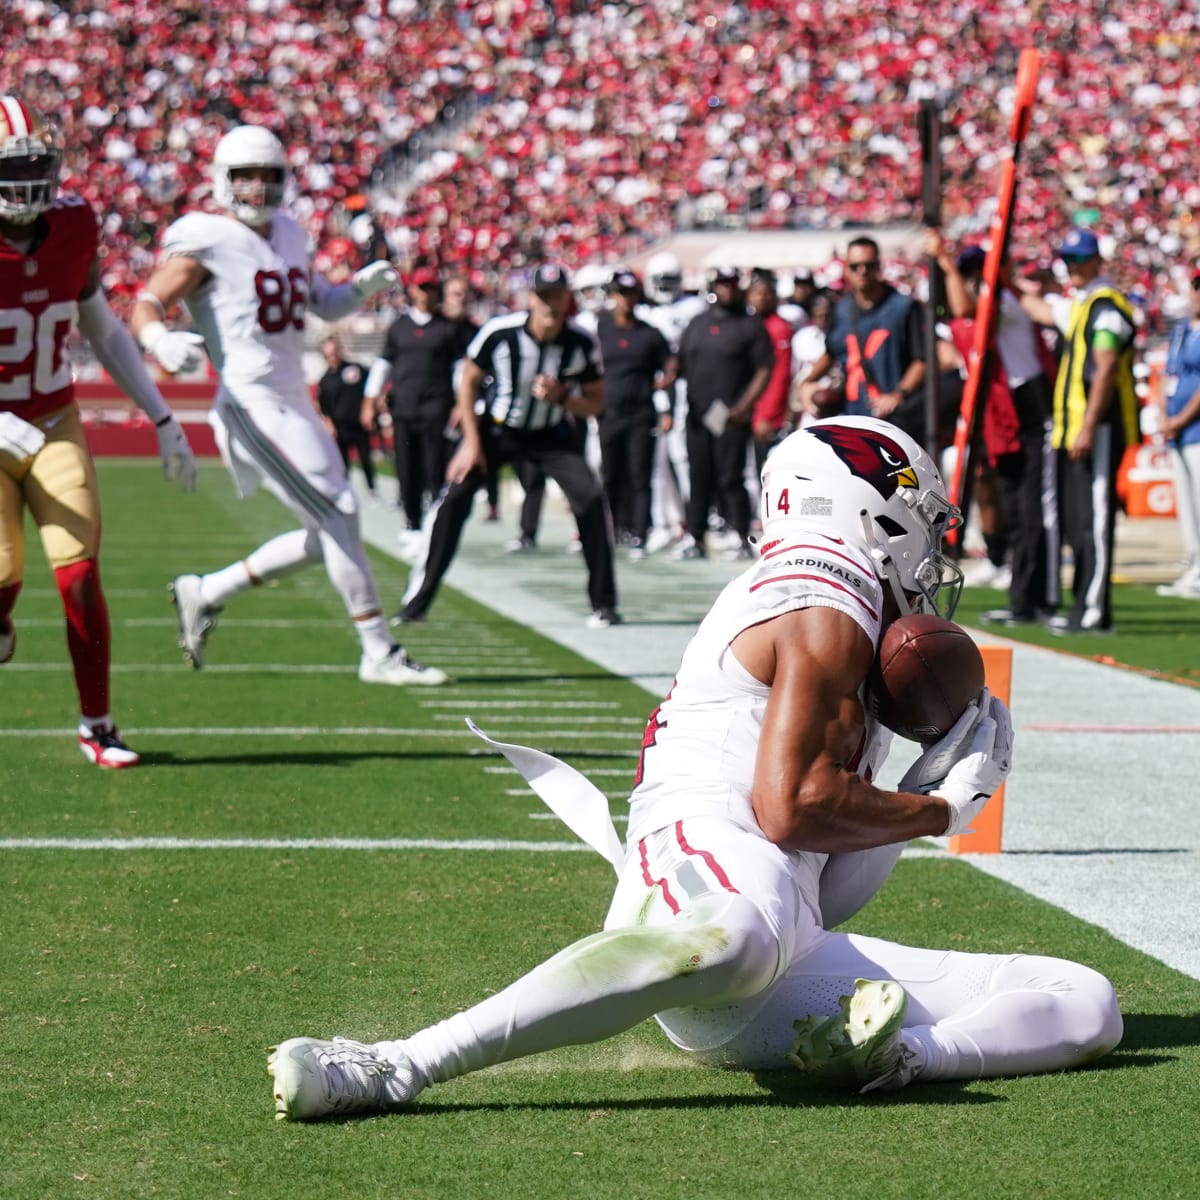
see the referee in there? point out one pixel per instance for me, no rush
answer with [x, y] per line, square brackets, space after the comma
[543, 367]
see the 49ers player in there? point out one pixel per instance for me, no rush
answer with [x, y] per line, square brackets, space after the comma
[49, 283]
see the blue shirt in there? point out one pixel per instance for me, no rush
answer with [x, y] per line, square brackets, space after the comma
[1183, 375]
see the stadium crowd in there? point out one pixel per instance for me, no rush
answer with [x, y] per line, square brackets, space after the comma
[487, 135]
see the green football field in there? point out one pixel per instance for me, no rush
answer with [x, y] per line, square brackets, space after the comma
[304, 854]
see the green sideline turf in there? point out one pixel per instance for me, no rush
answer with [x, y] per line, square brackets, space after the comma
[141, 989]
[1156, 634]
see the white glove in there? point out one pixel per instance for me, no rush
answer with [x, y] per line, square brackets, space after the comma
[969, 764]
[374, 277]
[175, 349]
[178, 460]
[19, 438]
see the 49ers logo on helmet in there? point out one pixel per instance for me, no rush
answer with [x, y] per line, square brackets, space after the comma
[872, 456]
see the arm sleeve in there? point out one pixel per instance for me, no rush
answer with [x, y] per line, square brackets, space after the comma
[376, 378]
[120, 355]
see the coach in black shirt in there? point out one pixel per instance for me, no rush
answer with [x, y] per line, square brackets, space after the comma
[637, 360]
[340, 399]
[419, 351]
[542, 367]
[726, 356]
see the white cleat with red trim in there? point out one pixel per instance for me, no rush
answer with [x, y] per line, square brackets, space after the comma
[104, 748]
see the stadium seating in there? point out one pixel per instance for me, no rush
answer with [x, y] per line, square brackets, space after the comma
[484, 134]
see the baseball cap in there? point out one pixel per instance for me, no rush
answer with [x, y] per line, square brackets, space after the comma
[424, 277]
[1079, 243]
[726, 275]
[549, 276]
[970, 258]
[624, 281]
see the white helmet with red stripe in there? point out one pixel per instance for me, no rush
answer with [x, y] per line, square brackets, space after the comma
[30, 160]
[250, 148]
[867, 481]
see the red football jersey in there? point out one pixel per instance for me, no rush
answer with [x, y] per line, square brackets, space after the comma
[39, 306]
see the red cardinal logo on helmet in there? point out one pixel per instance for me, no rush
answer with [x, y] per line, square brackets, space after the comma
[872, 456]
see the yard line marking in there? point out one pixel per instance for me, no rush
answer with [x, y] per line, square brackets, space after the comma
[181, 668]
[370, 845]
[307, 731]
[531, 792]
[617, 818]
[590, 772]
[529, 719]
[439, 703]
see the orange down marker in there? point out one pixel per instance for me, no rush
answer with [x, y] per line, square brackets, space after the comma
[987, 826]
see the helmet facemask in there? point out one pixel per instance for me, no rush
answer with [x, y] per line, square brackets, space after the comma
[250, 173]
[30, 161]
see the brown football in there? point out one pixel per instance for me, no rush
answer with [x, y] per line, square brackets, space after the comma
[927, 671]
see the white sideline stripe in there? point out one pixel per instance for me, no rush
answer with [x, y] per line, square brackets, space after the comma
[302, 731]
[343, 843]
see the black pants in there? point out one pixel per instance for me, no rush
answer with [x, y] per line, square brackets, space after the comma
[627, 460]
[557, 454]
[350, 435]
[533, 483]
[421, 451]
[1087, 498]
[1020, 479]
[717, 467]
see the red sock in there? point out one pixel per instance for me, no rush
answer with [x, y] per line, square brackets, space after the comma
[8, 600]
[88, 635]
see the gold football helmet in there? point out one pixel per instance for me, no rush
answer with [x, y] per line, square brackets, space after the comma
[30, 161]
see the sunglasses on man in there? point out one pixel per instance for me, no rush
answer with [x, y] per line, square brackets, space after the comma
[869, 265]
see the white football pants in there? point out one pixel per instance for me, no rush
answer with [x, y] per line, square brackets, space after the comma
[289, 452]
[709, 930]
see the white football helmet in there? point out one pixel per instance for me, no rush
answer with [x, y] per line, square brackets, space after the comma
[867, 481]
[252, 201]
[589, 286]
[30, 160]
[664, 279]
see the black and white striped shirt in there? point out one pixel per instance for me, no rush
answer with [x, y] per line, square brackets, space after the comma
[504, 349]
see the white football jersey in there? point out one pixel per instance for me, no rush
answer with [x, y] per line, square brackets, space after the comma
[251, 312]
[700, 745]
[672, 319]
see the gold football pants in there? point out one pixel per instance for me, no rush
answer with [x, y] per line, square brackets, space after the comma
[58, 486]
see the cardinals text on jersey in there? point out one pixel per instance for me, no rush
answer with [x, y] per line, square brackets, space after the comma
[251, 311]
[39, 306]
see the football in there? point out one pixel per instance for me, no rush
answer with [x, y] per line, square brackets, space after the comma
[927, 671]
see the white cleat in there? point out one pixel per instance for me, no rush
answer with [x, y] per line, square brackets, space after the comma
[399, 670]
[104, 748]
[859, 1045]
[316, 1079]
[196, 619]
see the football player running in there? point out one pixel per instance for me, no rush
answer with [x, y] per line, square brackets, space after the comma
[244, 278]
[754, 830]
[49, 284]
